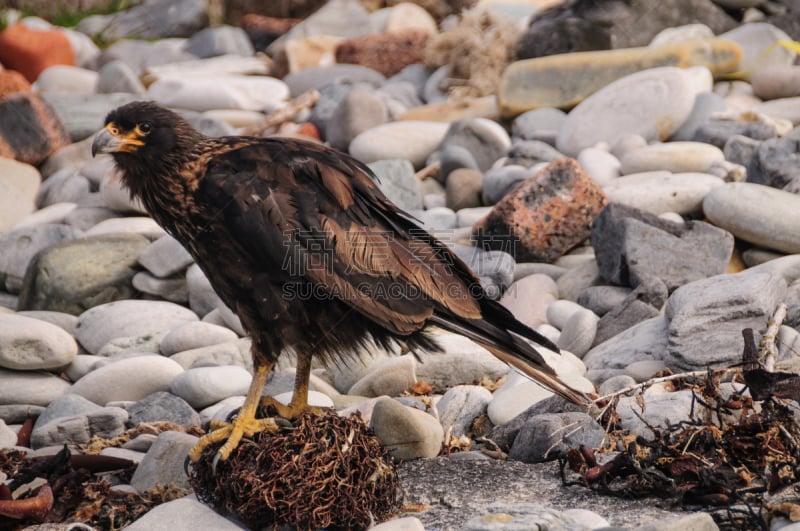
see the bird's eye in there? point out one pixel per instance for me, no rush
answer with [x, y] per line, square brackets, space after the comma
[144, 128]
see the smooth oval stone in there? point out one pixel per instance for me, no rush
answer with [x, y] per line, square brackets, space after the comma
[759, 214]
[659, 191]
[406, 432]
[529, 297]
[65, 78]
[783, 108]
[602, 166]
[460, 406]
[53, 213]
[561, 311]
[757, 41]
[776, 82]
[652, 103]
[127, 379]
[578, 333]
[410, 140]
[30, 344]
[250, 93]
[35, 388]
[675, 157]
[99, 325]
[567, 79]
[390, 376]
[203, 386]
[135, 225]
[195, 334]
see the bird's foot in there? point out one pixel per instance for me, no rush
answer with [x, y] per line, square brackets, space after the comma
[289, 411]
[242, 426]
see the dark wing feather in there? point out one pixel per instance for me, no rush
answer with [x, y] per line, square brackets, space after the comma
[320, 217]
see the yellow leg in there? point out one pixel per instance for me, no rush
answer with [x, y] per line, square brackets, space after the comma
[299, 403]
[244, 425]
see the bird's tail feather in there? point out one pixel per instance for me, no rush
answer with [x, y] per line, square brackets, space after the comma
[514, 351]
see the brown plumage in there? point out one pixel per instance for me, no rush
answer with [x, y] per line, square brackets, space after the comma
[298, 240]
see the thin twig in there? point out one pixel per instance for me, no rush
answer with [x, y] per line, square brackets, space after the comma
[768, 348]
[305, 100]
[661, 379]
[431, 170]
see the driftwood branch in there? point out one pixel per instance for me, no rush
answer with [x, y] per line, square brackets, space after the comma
[768, 347]
[304, 101]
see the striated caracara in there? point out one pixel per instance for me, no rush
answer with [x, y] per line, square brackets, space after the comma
[298, 240]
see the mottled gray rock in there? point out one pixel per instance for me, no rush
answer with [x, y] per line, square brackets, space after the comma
[106, 422]
[548, 437]
[453, 157]
[398, 182]
[18, 247]
[644, 302]
[408, 433]
[485, 139]
[616, 383]
[163, 463]
[538, 124]
[172, 289]
[165, 257]
[575, 280]
[31, 344]
[498, 182]
[646, 340]
[459, 407]
[83, 114]
[659, 411]
[446, 488]
[706, 317]
[155, 20]
[358, 111]
[117, 76]
[601, 299]
[80, 274]
[528, 153]
[698, 521]
[631, 245]
[492, 267]
[220, 40]
[68, 405]
[162, 406]
[777, 163]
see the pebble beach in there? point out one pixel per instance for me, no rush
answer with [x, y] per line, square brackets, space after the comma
[624, 177]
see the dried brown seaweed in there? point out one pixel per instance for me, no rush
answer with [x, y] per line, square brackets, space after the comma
[325, 471]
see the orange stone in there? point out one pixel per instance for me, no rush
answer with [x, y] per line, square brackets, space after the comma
[30, 51]
[12, 81]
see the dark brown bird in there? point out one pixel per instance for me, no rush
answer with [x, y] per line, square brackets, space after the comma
[298, 240]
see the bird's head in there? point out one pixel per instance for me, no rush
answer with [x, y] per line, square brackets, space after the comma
[142, 131]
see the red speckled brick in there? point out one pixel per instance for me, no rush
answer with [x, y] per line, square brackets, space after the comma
[546, 216]
[388, 53]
